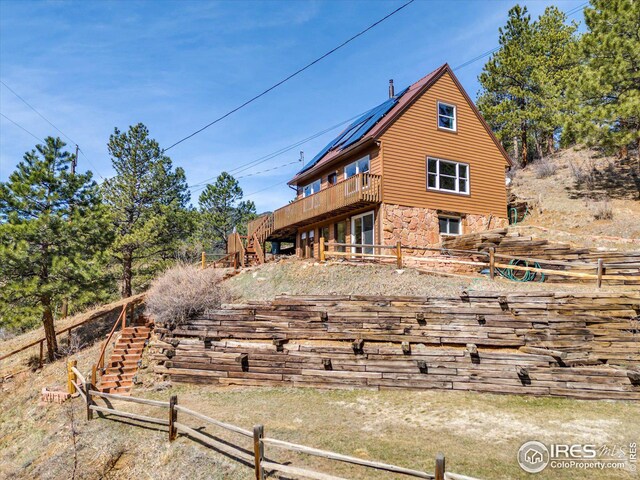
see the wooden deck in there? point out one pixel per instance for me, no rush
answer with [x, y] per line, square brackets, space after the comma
[347, 195]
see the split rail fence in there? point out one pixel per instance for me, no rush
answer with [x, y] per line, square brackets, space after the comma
[89, 317]
[77, 383]
[496, 263]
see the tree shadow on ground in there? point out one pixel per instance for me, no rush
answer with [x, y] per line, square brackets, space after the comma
[617, 180]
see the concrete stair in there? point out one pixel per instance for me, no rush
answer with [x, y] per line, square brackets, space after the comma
[125, 360]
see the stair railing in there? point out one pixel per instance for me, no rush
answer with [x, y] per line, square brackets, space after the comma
[258, 248]
[122, 320]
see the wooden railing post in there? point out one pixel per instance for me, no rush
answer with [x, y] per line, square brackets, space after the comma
[258, 450]
[71, 376]
[87, 390]
[399, 255]
[599, 273]
[94, 375]
[173, 418]
[321, 246]
[492, 262]
[440, 467]
[204, 260]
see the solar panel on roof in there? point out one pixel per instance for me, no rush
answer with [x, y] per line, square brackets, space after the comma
[356, 130]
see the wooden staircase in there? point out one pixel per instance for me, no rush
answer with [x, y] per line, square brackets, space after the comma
[125, 359]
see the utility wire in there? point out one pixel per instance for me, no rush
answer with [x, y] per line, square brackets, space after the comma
[297, 72]
[50, 123]
[21, 127]
[34, 109]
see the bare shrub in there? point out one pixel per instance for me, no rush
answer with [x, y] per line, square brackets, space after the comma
[544, 168]
[183, 291]
[72, 345]
[584, 175]
[603, 211]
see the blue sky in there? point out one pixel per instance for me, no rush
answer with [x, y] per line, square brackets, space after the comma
[175, 66]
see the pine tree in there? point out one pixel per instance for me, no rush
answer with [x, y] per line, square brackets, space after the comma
[147, 200]
[53, 232]
[607, 92]
[222, 210]
[524, 82]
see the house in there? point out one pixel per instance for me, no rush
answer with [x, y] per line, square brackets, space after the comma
[420, 165]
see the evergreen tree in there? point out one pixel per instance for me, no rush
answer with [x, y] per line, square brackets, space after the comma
[53, 231]
[147, 201]
[222, 210]
[607, 91]
[524, 82]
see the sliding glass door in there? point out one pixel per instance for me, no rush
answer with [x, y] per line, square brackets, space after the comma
[362, 232]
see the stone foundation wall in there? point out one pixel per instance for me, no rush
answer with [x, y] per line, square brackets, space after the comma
[416, 226]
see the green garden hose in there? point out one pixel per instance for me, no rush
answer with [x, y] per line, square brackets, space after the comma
[513, 215]
[521, 275]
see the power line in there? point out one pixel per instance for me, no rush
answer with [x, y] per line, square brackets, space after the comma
[297, 72]
[34, 109]
[50, 123]
[21, 127]
[253, 163]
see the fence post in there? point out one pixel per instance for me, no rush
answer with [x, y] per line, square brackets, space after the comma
[440, 467]
[204, 260]
[492, 262]
[87, 390]
[600, 271]
[399, 255]
[173, 418]
[258, 450]
[322, 256]
[71, 376]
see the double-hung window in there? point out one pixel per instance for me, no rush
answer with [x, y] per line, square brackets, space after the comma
[447, 116]
[447, 176]
[311, 188]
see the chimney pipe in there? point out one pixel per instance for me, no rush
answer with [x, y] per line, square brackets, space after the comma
[392, 91]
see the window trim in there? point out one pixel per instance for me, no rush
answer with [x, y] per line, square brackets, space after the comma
[319, 182]
[448, 218]
[437, 188]
[352, 232]
[455, 116]
[368, 157]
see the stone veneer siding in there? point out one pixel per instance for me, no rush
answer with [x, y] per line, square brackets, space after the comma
[416, 226]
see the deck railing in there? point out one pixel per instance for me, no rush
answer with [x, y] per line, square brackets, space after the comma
[362, 188]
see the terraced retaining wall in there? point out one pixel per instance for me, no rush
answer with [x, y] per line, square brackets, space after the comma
[571, 345]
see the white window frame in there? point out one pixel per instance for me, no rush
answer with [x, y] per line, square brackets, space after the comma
[457, 176]
[454, 118]
[319, 184]
[352, 234]
[357, 164]
[449, 218]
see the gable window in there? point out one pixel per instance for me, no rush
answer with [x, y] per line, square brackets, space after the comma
[311, 188]
[359, 166]
[450, 225]
[447, 116]
[447, 176]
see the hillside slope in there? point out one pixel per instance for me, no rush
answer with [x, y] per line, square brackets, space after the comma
[580, 195]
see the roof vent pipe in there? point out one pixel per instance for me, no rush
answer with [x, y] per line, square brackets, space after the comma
[392, 91]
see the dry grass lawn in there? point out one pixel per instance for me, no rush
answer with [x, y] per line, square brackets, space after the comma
[479, 433]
